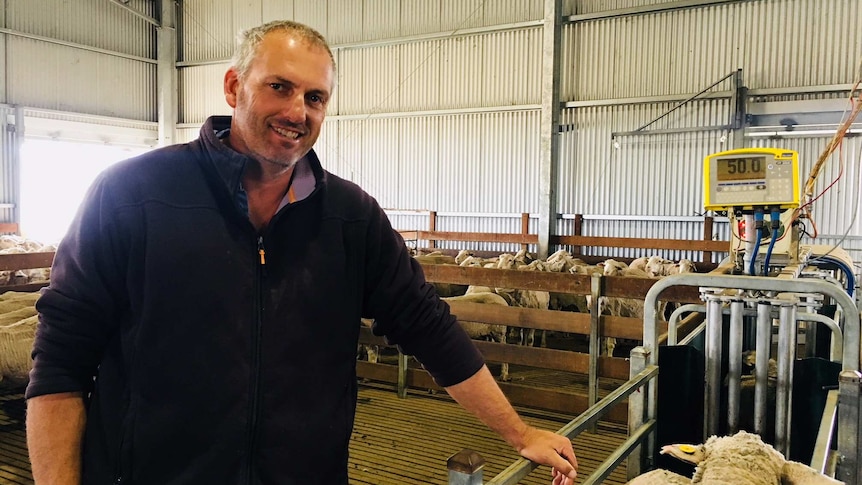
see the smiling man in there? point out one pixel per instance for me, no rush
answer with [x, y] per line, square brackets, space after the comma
[238, 368]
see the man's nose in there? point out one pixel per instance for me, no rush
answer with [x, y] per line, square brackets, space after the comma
[295, 111]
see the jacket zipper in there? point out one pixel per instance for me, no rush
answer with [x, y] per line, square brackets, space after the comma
[255, 371]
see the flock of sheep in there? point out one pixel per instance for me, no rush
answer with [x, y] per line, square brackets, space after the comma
[12, 244]
[17, 311]
[560, 262]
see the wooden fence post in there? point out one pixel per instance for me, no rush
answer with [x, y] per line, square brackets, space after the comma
[432, 226]
[579, 230]
[707, 236]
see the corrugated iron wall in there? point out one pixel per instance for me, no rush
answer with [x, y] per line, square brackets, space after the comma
[10, 121]
[64, 75]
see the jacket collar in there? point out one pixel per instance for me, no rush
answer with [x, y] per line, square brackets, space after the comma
[229, 164]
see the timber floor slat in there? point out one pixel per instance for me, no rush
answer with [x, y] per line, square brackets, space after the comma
[14, 463]
[394, 441]
[407, 441]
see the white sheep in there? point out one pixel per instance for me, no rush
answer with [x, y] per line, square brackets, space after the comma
[639, 263]
[612, 267]
[485, 331]
[741, 459]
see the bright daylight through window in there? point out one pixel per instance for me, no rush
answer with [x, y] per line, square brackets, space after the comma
[55, 175]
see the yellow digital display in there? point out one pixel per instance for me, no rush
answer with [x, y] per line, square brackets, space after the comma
[746, 168]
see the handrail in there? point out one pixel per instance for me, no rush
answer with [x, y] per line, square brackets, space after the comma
[522, 467]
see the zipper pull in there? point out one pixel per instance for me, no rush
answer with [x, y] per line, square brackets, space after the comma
[261, 251]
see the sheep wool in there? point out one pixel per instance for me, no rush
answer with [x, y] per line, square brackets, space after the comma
[739, 459]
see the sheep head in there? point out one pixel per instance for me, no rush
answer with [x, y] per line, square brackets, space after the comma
[744, 459]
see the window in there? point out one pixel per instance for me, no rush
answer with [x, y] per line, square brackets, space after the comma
[55, 175]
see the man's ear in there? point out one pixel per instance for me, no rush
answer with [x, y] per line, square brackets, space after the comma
[231, 85]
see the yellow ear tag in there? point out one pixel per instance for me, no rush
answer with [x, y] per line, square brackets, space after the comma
[688, 449]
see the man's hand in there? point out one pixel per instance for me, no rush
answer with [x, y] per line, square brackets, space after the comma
[551, 449]
[481, 395]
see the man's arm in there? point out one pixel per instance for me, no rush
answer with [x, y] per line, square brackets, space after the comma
[481, 395]
[55, 429]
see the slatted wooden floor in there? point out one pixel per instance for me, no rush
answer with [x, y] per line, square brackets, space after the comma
[394, 441]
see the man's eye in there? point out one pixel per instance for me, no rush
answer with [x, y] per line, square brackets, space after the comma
[276, 86]
[315, 98]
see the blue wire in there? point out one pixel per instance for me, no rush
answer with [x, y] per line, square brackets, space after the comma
[769, 252]
[774, 217]
[758, 217]
[848, 272]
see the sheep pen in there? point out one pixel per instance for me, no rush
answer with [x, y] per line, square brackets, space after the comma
[550, 298]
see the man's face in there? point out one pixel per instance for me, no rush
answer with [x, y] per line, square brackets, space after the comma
[280, 102]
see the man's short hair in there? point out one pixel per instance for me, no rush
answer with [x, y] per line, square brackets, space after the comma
[248, 41]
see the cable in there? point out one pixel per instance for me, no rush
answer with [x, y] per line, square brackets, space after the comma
[775, 223]
[848, 272]
[855, 206]
[758, 224]
[833, 143]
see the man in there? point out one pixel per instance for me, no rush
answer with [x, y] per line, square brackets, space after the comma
[203, 314]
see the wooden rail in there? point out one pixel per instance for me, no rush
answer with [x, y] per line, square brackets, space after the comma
[610, 369]
[705, 246]
[14, 262]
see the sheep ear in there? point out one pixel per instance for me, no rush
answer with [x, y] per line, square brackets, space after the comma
[794, 473]
[688, 453]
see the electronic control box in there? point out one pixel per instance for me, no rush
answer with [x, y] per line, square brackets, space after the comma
[749, 178]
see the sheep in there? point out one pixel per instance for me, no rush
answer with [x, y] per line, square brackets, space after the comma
[741, 459]
[18, 321]
[612, 267]
[657, 266]
[16, 342]
[443, 289]
[462, 255]
[523, 298]
[485, 331]
[11, 244]
[639, 263]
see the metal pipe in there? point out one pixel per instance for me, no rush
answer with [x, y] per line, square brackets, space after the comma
[762, 349]
[837, 348]
[402, 375]
[734, 374]
[810, 332]
[644, 9]
[635, 463]
[850, 359]
[848, 419]
[74, 45]
[849, 385]
[823, 444]
[749, 238]
[673, 321]
[784, 385]
[595, 335]
[711, 405]
[140, 15]
[522, 467]
[465, 468]
[607, 466]
[694, 334]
